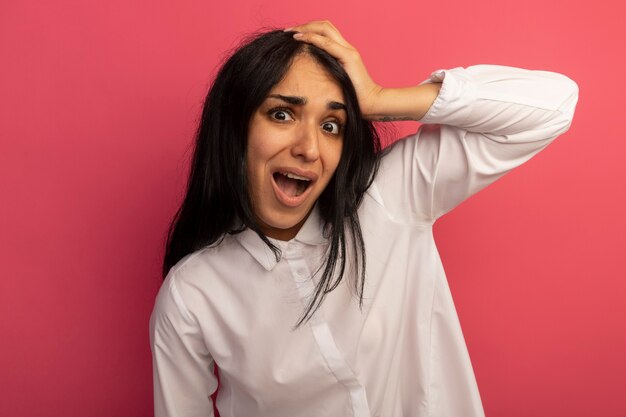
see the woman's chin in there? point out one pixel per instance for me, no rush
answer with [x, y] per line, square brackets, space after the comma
[282, 229]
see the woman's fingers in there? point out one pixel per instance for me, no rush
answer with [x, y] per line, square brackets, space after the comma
[335, 49]
[324, 28]
[326, 36]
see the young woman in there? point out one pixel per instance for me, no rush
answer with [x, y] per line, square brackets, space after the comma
[302, 260]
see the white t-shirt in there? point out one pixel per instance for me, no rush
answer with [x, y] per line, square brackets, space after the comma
[404, 354]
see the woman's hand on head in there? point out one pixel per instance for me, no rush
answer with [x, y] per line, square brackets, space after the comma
[376, 102]
[324, 35]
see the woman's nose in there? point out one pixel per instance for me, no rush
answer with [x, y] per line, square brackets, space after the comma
[306, 146]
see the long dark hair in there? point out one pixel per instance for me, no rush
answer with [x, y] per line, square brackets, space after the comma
[217, 200]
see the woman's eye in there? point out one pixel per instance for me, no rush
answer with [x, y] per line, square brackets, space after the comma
[332, 127]
[280, 114]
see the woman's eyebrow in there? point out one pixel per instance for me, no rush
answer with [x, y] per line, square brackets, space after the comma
[299, 101]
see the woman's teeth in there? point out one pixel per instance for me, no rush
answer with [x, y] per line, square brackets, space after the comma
[294, 176]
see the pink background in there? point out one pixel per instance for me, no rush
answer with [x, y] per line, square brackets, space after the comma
[98, 105]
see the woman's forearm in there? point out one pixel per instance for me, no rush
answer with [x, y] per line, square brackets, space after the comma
[409, 103]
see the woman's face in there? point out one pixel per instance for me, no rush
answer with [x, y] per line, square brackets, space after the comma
[294, 146]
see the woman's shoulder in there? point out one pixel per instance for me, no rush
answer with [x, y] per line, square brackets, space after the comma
[196, 281]
[201, 263]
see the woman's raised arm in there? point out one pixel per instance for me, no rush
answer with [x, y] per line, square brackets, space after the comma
[486, 120]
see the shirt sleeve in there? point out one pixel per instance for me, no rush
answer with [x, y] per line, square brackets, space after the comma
[182, 366]
[486, 120]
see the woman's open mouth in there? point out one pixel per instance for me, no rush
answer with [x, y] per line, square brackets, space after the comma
[291, 189]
